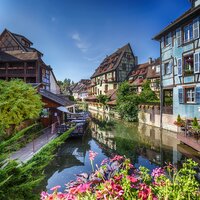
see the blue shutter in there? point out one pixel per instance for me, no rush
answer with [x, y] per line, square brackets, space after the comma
[179, 63]
[180, 95]
[196, 28]
[197, 62]
[198, 95]
[178, 37]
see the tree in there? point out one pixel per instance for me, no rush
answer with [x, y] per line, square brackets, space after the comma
[127, 102]
[18, 102]
[147, 95]
[102, 99]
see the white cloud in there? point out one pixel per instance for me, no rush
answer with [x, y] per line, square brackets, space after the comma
[80, 43]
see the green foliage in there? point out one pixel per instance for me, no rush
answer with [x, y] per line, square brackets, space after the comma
[179, 118]
[18, 102]
[17, 182]
[147, 95]
[102, 99]
[19, 139]
[71, 98]
[127, 102]
[195, 122]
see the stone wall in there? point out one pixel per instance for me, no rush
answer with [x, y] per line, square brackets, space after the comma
[150, 115]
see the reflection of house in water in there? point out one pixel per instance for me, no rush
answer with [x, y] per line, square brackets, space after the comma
[102, 134]
[164, 146]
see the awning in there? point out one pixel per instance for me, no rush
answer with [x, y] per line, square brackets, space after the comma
[63, 109]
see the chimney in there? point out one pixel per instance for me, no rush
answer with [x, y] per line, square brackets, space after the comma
[136, 60]
[150, 60]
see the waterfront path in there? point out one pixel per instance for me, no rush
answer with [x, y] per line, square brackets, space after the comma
[26, 153]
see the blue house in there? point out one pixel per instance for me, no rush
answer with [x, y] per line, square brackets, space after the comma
[180, 63]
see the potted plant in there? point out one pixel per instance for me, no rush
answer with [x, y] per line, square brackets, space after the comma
[179, 121]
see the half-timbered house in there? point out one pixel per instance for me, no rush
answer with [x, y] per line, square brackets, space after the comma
[18, 59]
[180, 58]
[113, 70]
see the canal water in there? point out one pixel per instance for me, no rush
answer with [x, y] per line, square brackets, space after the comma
[144, 145]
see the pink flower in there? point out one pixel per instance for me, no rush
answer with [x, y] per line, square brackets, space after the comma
[92, 154]
[56, 187]
[117, 158]
[43, 195]
[83, 187]
[104, 161]
[157, 172]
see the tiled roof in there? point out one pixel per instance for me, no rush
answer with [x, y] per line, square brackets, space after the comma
[111, 62]
[17, 55]
[183, 18]
[54, 97]
[111, 94]
[144, 71]
[113, 103]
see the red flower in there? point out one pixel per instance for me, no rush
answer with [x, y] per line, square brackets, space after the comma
[132, 179]
[144, 192]
[117, 158]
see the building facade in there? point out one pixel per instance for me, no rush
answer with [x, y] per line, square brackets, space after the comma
[180, 62]
[113, 70]
[18, 59]
[146, 71]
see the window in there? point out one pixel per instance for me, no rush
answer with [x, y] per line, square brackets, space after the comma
[157, 68]
[167, 68]
[168, 39]
[188, 33]
[190, 95]
[106, 88]
[115, 86]
[191, 31]
[188, 65]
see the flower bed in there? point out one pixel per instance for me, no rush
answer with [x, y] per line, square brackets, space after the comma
[117, 178]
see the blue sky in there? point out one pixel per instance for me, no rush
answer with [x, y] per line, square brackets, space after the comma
[75, 35]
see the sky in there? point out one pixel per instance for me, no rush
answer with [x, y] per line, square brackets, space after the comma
[76, 35]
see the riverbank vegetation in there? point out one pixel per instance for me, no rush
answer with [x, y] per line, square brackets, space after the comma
[117, 178]
[19, 181]
[18, 102]
[128, 100]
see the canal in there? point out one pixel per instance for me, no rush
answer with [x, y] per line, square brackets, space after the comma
[144, 145]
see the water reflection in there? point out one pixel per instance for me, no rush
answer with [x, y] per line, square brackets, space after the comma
[144, 145]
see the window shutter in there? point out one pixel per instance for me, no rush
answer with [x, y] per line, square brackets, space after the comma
[197, 62]
[180, 95]
[162, 42]
[198, 95]
[178, 37]
[170, 67]
[196, 28]
[179, 61]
